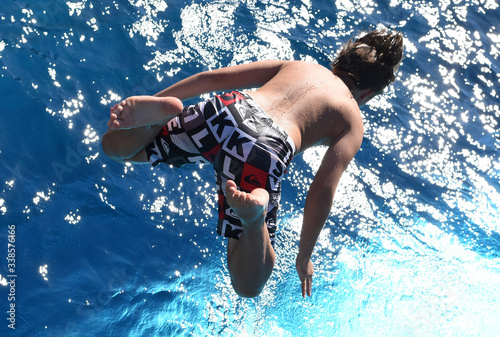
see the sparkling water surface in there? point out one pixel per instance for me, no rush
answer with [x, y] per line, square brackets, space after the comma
[412, 246]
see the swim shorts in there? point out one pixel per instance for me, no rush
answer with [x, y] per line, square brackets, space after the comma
[242, 143]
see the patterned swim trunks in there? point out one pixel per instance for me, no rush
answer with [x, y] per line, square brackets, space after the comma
[240, 140]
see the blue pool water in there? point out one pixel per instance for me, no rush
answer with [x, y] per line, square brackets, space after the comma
[412, 246]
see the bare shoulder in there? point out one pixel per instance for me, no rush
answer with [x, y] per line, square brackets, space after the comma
[354, 123]
[342, 105]
[305, 66]
[346, 143]
[347, 108]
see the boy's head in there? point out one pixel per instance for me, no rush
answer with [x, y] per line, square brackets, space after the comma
[372, 60]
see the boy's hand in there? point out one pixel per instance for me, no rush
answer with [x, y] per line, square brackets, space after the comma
[305, 270]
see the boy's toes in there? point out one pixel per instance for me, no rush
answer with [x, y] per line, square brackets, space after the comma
[116, 110]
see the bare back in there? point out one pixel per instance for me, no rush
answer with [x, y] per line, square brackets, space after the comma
[311, 103]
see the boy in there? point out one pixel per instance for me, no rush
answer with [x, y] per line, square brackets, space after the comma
[251, 138]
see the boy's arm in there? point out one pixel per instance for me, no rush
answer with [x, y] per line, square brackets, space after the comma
[243, 76]
[319, 200]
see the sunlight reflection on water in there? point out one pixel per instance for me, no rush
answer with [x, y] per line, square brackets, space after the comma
[411, 246]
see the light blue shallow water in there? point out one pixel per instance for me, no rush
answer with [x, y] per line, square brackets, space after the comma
[412, 246]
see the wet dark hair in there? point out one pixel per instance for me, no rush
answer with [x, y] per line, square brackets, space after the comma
[371, 60]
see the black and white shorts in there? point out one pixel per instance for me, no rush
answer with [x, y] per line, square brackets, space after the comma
[242, 143]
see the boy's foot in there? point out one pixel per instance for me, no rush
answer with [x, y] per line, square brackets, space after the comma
[139, 111]
[250, 207]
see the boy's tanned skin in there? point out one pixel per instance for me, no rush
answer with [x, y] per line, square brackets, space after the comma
[313, 104]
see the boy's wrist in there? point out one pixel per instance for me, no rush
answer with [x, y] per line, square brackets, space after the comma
[302, 255]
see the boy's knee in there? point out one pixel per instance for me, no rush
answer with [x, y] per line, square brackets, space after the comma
[247, 291]
[107, 145]
[109, 148]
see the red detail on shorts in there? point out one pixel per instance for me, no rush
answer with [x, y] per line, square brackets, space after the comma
[252, 178]
[221, 199]
[237, 95]
[164, 131]
[210, 155]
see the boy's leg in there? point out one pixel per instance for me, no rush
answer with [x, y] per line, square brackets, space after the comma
[135, 122]
[250, 259]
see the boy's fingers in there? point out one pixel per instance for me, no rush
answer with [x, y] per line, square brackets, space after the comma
[306, 285]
